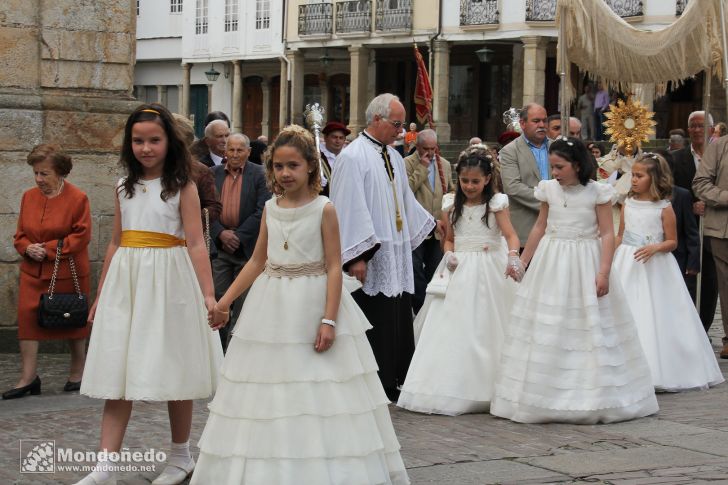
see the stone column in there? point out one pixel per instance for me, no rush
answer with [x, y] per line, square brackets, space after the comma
[358, 87]
[162, 95]
[265, 120]
[184, 102]
[441, 89]
[517, 77]
[324, 87]
[237, 98]
[534, 66]
[283, 97]
[372, 79]
[296, 65]
[67, 78]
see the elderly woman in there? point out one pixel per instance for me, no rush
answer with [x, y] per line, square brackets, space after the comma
[53, 210]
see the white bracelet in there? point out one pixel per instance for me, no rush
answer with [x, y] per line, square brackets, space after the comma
[329, 322]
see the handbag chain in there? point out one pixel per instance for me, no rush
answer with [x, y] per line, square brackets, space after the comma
[206, 213]
[72, 263]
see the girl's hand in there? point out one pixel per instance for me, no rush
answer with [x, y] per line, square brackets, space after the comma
[324, 338]
[602, 282]
[92, 312]
[217, 318]
[644, 253]
[515, 268]
[451, 261]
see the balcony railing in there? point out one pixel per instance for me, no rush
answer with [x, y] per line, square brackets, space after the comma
[540, 10]
[353, 16]
[478, 12]
[680, 8]
[626, 8]
[394, 15]
[315, 19]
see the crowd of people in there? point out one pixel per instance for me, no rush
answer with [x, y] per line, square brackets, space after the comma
[343, 276]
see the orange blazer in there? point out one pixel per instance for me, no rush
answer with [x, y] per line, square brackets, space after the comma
[41, 219]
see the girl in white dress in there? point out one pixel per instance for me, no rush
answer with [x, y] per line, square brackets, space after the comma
[453, 368]
[678, 352]
[150, 339]
[299, 400]
[571, 351]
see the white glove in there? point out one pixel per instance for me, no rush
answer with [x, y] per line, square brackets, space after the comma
[451, 261]
[515, 267]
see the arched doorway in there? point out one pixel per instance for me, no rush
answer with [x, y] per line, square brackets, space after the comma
[252, 106]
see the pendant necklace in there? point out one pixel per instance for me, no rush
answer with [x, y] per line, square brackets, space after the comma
[287, 233]
[565, 191]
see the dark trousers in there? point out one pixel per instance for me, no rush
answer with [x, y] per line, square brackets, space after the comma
[225, 268]
[425, 259]
[719, 248]
[708, 288]
[391, 336]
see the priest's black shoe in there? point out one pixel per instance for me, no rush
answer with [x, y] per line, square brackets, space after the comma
[33, 388]
[72, 386]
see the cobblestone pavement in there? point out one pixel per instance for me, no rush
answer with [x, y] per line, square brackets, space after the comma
[686, 443]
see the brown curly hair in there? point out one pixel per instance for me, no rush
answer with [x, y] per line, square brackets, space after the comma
[62, 163]
[302, 140]
[660, 176]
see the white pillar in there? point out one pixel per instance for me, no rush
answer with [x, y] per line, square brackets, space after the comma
[534, 70]
[265, 120]
[237, 113]
[441, 89]
[296, 65]
[358, 87]
[184, 105]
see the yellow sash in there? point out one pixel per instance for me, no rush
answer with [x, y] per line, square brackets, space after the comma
[149, 239]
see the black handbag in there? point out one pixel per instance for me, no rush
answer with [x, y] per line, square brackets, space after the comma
[63, 310]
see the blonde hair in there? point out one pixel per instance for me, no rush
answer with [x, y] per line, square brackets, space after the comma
[302, 140]
[660, 176]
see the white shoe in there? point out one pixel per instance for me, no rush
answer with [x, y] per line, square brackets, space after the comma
[174, 475]
[89, 480]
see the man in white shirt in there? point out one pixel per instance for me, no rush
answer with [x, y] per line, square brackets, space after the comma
[216, 135]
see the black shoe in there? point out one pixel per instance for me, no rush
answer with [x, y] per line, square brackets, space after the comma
[72, 386]
[33, 388]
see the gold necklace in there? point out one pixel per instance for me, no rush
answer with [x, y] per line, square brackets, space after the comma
[284, 233]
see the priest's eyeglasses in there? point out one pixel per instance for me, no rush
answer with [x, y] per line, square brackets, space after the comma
[396, 124]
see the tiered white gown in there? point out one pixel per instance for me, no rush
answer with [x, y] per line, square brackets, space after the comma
[569, 356]
[150, 339]
[454, 366]
[283, 413]
[678, 352]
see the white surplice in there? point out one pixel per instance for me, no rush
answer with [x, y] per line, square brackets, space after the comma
[362, 194]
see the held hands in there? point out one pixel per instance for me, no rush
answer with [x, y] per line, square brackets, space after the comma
[515, 268]
[324, 338]
[36, 251]
[359, 270]
[602, 282]
[644, 253]
[216, 317]
[451, 261]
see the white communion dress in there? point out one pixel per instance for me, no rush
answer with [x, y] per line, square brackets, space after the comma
[150, 338]
[569, 356]
[283, 413]
[672, 336]
[454, 366]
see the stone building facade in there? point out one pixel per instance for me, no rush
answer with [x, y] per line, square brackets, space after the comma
[66, 77]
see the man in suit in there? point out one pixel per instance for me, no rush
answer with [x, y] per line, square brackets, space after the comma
[711, 186]
[686, 162]
[430, 177]
[524, 163]
[216, 135]
[335, 134]
[243, 194]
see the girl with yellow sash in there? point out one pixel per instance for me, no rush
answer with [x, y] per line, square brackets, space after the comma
[150, 339]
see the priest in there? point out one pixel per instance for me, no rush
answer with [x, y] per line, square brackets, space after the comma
[381, 222]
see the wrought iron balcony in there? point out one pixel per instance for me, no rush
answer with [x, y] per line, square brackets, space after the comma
[353, 16]
[394, 15]
[315, 19]
[680, 7]
[540, 10]
[626, 8]
[478, 12]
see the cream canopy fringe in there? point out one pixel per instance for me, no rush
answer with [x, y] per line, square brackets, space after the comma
[600, 42]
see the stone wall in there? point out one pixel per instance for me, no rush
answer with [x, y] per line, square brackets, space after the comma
[66, 73]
